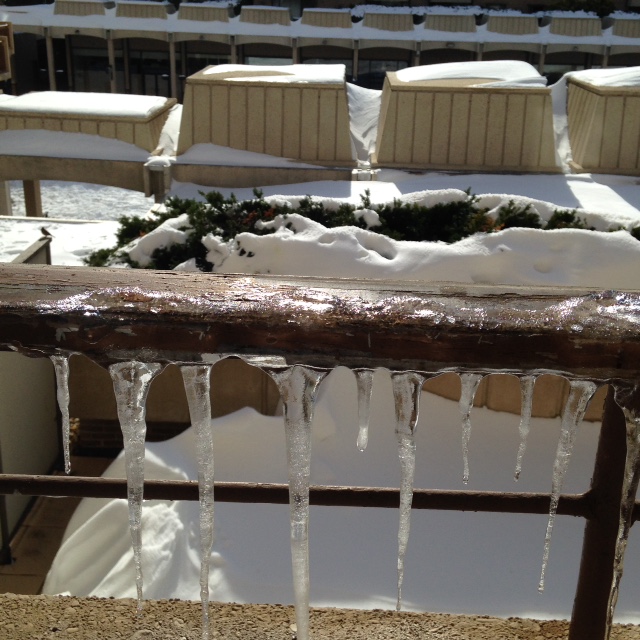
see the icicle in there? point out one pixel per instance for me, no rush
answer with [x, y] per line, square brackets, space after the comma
[629, 490]
[298, 386]
[197, 385]
[470, 383]
[364, 379]
[526, 390]
[579, 395]
[131, 381]
[61, 366]
[406, 394]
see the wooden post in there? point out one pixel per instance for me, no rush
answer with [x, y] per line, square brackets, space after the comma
[32, 198]
[589, 616]
[5, 199]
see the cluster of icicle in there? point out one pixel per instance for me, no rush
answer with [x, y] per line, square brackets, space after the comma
[298, 386]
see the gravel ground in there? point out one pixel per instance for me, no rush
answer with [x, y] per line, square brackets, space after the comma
[58, 618]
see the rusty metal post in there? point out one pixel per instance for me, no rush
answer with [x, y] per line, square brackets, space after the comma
[589, 616]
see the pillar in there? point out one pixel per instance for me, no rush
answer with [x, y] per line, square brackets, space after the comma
[294, 51]
[234, 51]
[173, 74]
[479, 51]
[69, 57]
[354, 73]
[112, 63]
[416, 54]
[543, 54]
[51, 63]
[32, 198]
[5, 199]
[126, 65]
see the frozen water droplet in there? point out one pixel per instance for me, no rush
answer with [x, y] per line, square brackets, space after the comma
[406, 393]
[625, 399]
[526, 390]
[579, 395]
[197, 385]
[364, 379]
[61, 366]
[131, 382]
[470, 383]
[298, 386]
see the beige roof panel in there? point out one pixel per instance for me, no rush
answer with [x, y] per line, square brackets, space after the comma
[465, 24]
[328, 19]
[389, 21]
[202, 13]
[576, 27]
[513, 25]
[265, 15]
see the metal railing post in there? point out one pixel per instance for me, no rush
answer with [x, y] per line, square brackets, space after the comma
[589, 616]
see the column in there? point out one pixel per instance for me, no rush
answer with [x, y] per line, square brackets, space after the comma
[51, 63]
[354, 74]
[32, 198]
[112, 63]
[172, 67]
[5, 199]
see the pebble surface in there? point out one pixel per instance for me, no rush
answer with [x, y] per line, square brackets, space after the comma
[58, 618]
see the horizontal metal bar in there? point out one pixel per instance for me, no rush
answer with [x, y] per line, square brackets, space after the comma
[245, 492]
[126, 314]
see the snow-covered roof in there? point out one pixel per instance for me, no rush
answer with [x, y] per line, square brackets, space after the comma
[629, 77]
[292, 73]
[106, 105]
[511, 71]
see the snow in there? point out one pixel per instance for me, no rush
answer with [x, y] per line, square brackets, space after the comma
[512, 71]
[213, 154]
[108, 105]
[292, 73]
[628, 77]
[58, 144]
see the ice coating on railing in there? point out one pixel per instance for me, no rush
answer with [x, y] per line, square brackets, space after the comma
[61, 366]
[527, 384]
[629, 489]
[470, 383]
[197, 384]
[131, 382]
[580, 393]
[298, 386]
[364, 380]
[406, 394]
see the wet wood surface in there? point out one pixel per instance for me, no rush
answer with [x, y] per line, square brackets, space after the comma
[122, 314]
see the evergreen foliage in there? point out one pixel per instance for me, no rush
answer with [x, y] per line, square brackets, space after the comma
[226, 218]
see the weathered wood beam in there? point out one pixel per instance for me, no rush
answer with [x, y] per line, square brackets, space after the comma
[121, 314]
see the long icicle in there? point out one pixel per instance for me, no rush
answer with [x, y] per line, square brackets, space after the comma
[526, 391]
[364, 380]
[61, 367]
[131, 382]
[406, 392]
[197, 384]
[470, 383]
[579, 395]
[298, 386]
[625, 399]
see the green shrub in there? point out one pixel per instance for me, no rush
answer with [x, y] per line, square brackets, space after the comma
[225, 218]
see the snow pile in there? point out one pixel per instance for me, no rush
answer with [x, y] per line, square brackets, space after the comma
[627, 77]
[105, 105]
[510, 71]
[292, 73]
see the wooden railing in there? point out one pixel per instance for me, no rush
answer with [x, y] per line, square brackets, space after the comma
[123, 315]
